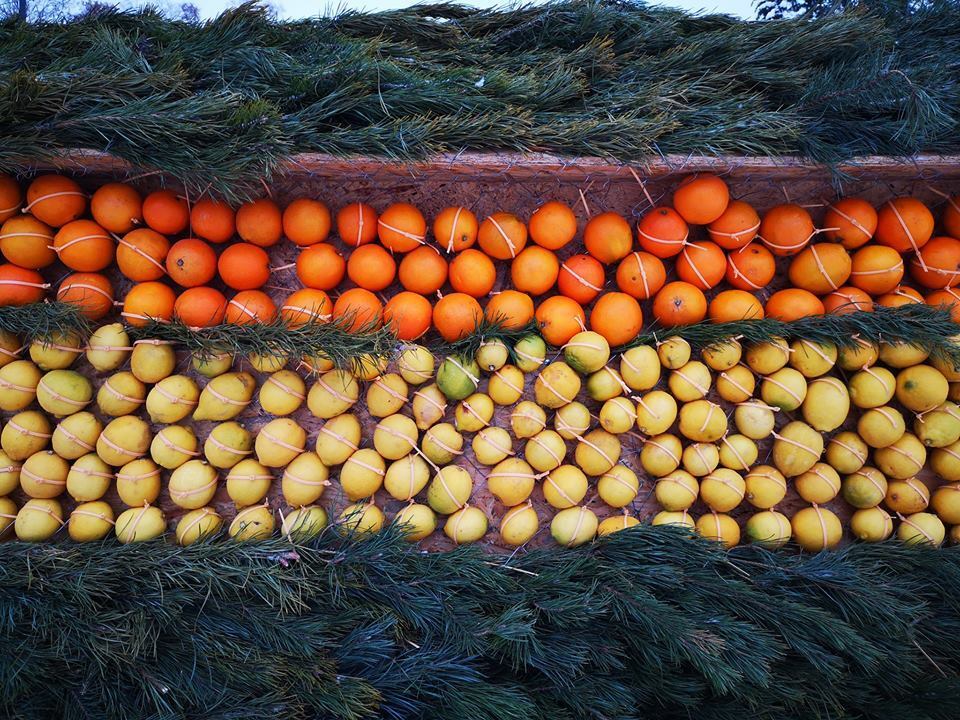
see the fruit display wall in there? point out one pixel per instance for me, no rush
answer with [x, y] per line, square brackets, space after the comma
[473, 425]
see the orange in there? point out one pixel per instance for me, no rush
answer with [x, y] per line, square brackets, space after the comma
[148, 301]
[679, 303]
[736, 226]
[948, 298]
[212, 220]
[166, 213]
[401, 228]
[786, 229]
[408, 315]
[877, 269]
[83, 245]
[641, 274]
[250, 306]
[662, 232]
[937, 264]
[25, 241]
[357, 224]
[904, 224]
[510, 308]
[357, 309]
[607, 237]
[850, 222]
[243, 266]
[502, 236]
[900, 295]
[306, 222]
[423, 270]
[820, 268]
[455, 229]
[700, 199]
[847, 299]
[11, 199]
[581, 278]
[91, 292]
[456, 315]
[534, 270]
[55, 200]
[617, 317]
[734, 305]
[200, 307]
[472, 272]
[260, 222]
[371, 267]
[559, 318]
[951, 216]
[792, 304]
[752, 267]
[701, 264]
[321, 266]
[191, 262]
[307, 305]
[141, 253]
[20, 286]
[553, 225]
[117, 207]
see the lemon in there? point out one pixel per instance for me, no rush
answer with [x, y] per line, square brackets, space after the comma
[872, 524]
[618, 487]
[921, 388]
[720, 528]
[640, 367]
[674, 352]
[519, 524]
[465, 526]
[574, 526]
[677, 491]
[764, 486]
[418, 521]
[565, 486]
[865, 488]
[769, 528]
[816, 528]
[690, 382]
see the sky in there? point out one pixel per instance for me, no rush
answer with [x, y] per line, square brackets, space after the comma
[305, 8]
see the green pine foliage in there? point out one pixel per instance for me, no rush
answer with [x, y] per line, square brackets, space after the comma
[222, 104]
[649, 623]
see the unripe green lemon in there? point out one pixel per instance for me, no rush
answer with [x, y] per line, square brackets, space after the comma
[907, 496]
[586, 352]
[303, 523]
[722, 490]
[901, 355]
[418, 521]
[530, 351]
[527, 419]
[491, 445]
[304, 480]
[597, 452]
[618, 415]
[556, 385]
[492, 355]
[737, 384]
[395, 436]
[361, 519]
[939, 427]
[519, 524]
[38, 520]
[90, 521]
[872, 524]
[441, 443]
[858, 355]
[406, 477]
[616, 523]
[248, 483]
[922, 529]
[9, 474]
[334, 392]
[64, 392]
[429, 406]
[816, 528]
[212, 364]
[818, 485]
[18, 385]
[754, 419]
[225, 396]
[449, 490]
[640, 367]
[545, 451]
[173, 445]
[677, 491]
[458, 377]
[690, 382]
[921, 388]
[700, 459]
[76, 435]
[865, 488]
[574, 526]
[827, 404]
[722, 355]
[618, 487]
[192, 485]
[604, 384]
[198, 524]
[765, 358]
[89, 478]
[172, 399]
[24, 434]
[152, 360]
[57, 352]
[140, 524]
[121, 394]
[415, 364]
[674, 352]
[505, 386]
[572, 420]
[738, 452]
[362, 474]
[465, 526]
[44, 475]
[769, 528]
[473, 413]
[813, 359]
[680, 519]
[338, 439]
[902, 459]
[846, 452]
[565, 486]
[702, 421]
[252, 523]
[227, 444]
[656, 412]
[720, 528]
[765, 486]
[279, 442]
[138, 482]
[386, 395]
[282, 393]
[661, 454]
[797, 448]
